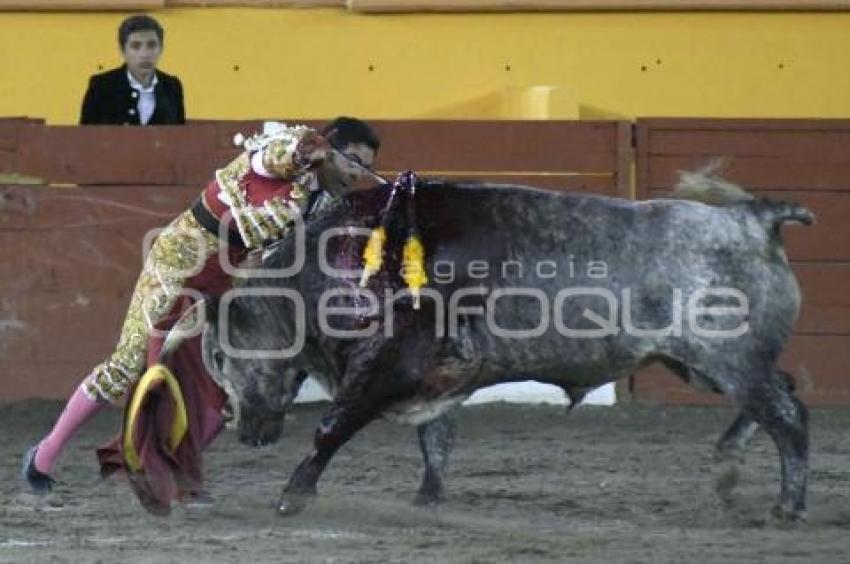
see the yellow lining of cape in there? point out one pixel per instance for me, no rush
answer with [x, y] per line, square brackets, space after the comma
[155, 374]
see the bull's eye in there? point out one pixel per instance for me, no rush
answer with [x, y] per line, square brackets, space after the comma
[218, 358]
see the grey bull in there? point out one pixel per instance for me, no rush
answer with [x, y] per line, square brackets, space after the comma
[568, 289]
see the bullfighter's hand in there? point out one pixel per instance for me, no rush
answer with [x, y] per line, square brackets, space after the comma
[311, 151]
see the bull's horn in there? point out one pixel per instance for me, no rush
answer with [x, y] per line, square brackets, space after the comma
[190, 324]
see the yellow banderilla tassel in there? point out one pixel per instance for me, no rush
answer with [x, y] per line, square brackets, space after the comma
[413, 267]
[373, 254]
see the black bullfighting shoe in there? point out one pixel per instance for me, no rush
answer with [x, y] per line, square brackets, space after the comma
[38, 482]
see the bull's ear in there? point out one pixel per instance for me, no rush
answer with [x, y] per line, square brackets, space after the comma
[212, 354]
[187, 326]
[218, 359]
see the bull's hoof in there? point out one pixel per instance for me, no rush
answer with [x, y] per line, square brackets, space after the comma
[428, 499]
[784, 513]
[292, 503]
[725, 482]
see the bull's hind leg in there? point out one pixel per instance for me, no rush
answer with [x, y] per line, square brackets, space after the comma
[729, 453]
[436, 439]
[766, 399]
[770, 403]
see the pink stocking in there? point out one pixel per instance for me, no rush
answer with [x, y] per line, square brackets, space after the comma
[79, 409]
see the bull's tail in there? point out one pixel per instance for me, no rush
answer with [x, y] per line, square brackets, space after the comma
[773, 213]
[705, 185]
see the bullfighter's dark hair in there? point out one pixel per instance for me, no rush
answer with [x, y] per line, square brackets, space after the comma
[345, 130]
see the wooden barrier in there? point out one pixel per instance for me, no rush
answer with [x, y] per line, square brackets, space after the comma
[806, 161]
[70, 255]
[10, 140]
[587, 155]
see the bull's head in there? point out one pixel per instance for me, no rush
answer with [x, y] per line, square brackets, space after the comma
[259, 390]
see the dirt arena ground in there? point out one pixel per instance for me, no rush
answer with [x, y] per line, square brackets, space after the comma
[526, 484]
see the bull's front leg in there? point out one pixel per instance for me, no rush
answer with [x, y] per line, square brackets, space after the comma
[340, 423]
[373, 381]
[436, 439]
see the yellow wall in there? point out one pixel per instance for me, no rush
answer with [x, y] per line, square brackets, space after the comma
[315, 63]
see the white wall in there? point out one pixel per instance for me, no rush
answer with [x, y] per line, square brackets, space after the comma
[517, 392]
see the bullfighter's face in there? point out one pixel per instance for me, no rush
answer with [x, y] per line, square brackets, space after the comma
[342, 173]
